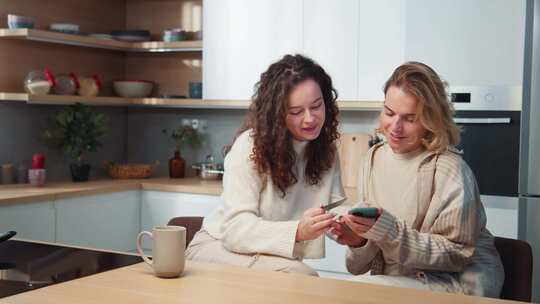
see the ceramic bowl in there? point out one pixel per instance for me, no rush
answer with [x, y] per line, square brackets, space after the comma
[133, 88]
[173, 35]
[17, 22]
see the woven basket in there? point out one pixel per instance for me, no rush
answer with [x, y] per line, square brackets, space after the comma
[130, 170]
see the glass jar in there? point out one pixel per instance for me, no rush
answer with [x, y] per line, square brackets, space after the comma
[66, 84]
[8, 174]
[22, 174]
[39, 82]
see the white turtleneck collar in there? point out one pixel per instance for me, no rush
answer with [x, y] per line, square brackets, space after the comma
[299, 146]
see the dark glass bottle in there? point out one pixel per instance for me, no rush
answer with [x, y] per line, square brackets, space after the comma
[177, 166]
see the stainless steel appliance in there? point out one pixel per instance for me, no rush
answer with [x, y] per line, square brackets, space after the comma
[529, 185]
[490, 118]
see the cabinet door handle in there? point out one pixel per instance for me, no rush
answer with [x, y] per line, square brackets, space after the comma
[501, 120]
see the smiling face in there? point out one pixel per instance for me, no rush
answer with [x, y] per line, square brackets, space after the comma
[305, 111]
[402, 129]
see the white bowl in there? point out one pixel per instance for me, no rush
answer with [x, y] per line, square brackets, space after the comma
[133, 88]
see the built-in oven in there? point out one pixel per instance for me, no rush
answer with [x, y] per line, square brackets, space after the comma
[490, 145]
[490, 119]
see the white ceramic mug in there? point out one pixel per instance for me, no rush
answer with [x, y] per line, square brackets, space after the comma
[168, 246]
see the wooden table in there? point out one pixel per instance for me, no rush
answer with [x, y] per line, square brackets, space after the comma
[212, 283]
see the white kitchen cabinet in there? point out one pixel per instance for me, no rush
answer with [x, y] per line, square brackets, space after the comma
[158, 208]
[358, 42]
[242, 38]
[382, 45]
[105, 221]
[470, 43]
[33, 221]
[331, 37]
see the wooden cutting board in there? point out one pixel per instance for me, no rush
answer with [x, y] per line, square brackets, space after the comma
[352, 147]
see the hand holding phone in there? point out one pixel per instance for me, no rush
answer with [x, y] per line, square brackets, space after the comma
[361, 220]
[368, 212]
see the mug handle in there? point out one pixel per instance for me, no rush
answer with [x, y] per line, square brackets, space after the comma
[139, 246]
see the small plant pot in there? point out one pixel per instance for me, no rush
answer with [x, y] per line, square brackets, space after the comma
[79, 173]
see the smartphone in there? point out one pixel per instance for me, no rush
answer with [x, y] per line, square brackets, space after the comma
[369, 212]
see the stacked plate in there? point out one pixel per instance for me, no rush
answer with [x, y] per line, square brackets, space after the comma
[100, 36]
[173, 35]
[131, 35]
[67, 28]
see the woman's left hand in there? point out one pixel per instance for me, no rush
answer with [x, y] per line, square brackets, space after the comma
[313, 224]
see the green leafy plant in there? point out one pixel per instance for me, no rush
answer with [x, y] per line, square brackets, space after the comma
[185, 136]
[77, 131]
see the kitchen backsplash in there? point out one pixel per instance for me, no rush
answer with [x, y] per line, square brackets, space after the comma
[21, 128]
[134, 135]
[146, 143]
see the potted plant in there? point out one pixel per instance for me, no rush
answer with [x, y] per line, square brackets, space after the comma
[76, 132]
[182, 136]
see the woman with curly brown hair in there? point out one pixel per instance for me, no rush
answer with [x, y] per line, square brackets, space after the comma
[282, 166]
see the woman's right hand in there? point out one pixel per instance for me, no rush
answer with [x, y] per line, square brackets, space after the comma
[314, 222]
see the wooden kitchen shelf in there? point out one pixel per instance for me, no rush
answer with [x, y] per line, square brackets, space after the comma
[65, 100]
[163, 102]
[122, 102]
[86, 41]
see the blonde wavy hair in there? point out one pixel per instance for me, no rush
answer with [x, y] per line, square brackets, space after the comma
[434, 110]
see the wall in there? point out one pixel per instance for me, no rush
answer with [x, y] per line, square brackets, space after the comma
[22, 126]
[146, 143]
[133, 135]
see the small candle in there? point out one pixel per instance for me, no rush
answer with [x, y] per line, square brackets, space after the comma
[38, 161]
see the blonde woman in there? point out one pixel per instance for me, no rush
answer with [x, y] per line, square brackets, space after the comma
[430, 231]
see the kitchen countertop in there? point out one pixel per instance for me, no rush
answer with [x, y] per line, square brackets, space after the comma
[15, 194]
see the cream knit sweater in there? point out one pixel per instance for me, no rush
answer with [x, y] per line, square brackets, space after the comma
[255, 218]
[440, 237]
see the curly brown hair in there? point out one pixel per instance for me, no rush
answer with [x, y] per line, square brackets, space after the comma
[273, 152]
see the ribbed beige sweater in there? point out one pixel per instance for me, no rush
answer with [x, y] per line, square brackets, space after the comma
[254, 218]
[440, 238]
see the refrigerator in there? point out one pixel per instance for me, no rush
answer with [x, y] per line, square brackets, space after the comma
[529, 178]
